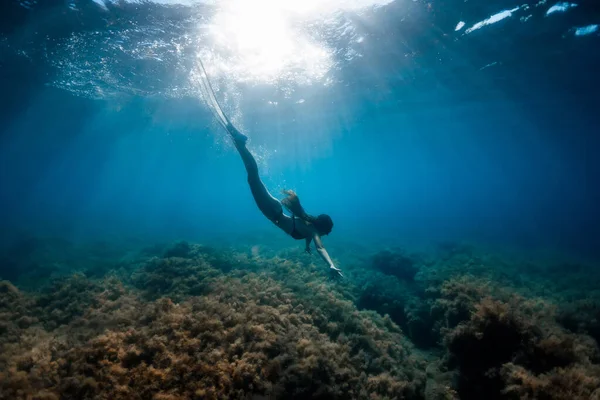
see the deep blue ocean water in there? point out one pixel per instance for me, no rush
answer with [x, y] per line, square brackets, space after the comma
[423, 121]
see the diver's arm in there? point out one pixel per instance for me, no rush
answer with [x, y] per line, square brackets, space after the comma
[324, 255]
[308, 240]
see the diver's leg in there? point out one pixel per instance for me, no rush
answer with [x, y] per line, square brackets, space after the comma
[238, 137]
[268, 205]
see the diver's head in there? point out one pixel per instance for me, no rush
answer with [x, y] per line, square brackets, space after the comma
[324, 224]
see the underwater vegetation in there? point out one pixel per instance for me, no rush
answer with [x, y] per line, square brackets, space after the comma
[395, 264]
[187, 321]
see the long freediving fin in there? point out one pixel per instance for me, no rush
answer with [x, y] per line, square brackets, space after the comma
[210, 97]
[215, 107]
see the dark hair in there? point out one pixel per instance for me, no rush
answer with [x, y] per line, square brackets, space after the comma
[323, 223]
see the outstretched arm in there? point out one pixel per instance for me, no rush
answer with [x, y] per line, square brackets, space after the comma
[324, 255]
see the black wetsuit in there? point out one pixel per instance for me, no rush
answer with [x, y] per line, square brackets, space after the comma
[294, 233]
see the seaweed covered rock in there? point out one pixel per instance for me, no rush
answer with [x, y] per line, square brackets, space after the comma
[395, 264]
[454, 300]
[375, 345]
[576, 382]
[504, 339]
[494, 336]
[15, 313]
[220, 260]
[247, 337]
[404, 307]
[373, 296]
[65, 299]
[582, 316]
[175, 277]
[194, 322]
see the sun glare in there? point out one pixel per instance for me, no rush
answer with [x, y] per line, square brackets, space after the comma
[268, 40]
[263, 41]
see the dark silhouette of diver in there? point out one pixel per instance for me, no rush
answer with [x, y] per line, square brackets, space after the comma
[299, 225]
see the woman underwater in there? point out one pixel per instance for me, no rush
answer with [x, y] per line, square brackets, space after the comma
[299, 225]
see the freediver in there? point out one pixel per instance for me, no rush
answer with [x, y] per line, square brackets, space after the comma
[299, 225]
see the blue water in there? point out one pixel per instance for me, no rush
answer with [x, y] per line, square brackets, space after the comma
[425, 134]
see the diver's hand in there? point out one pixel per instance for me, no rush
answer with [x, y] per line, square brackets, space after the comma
[307, 250]
[336, 271]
